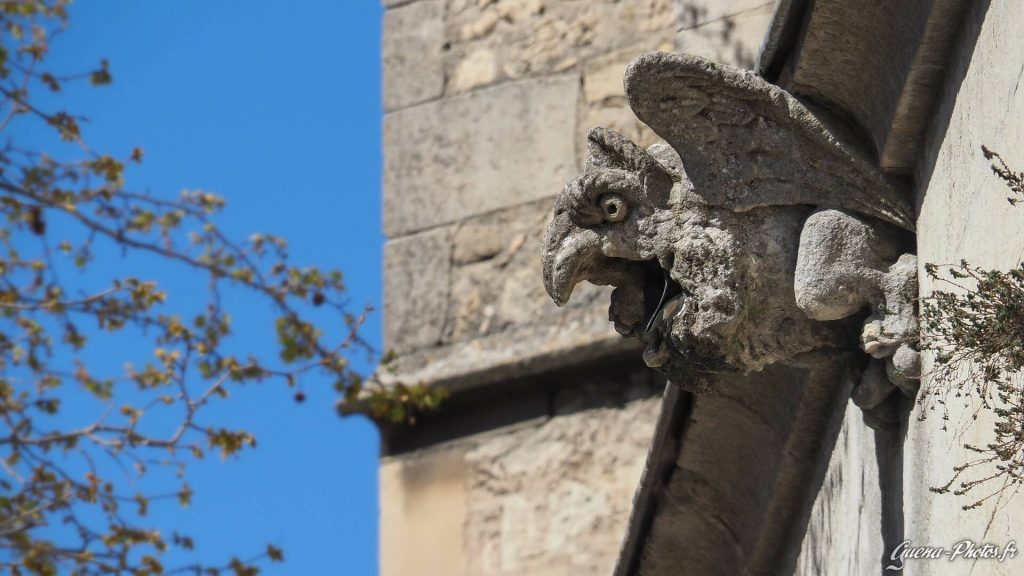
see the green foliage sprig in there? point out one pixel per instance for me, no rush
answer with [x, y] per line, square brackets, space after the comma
[975, 332]
[61, 215]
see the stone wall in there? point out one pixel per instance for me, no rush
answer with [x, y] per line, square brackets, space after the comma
[546, 496]
[964, 214]
[487, 103]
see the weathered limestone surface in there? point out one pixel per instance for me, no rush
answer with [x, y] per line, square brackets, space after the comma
[521, 78]
[724, 32]
[524, 38]
[466, 299]
[882, 64]
[494, 282]
[412, 52]
[423, 510]
[964, 214]
[844, 535]
[869, 48]
[417, 272]
[576, 337]
[553, 499]
[491, 149]
[473, 279]
[544, 497]
[752, 457]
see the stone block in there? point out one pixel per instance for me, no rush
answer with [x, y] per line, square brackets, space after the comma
[529, 38]
[493, 148]
[496, 280]
[543, 497]
[480, 27]
[477, 69]
[474, 241]
[554, 497]
[413, 46]
[416, 277]
[423, 508]
[492, 310]
[465, 304]
[750, 459]
[603, 83]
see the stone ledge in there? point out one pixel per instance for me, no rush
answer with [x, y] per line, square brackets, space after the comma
[582, 336]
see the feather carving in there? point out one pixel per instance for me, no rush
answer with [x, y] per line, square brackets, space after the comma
[746, 143]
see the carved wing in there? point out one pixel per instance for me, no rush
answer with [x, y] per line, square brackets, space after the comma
[746, 143]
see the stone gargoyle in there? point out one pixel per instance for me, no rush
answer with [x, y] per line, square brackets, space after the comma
[762, 232]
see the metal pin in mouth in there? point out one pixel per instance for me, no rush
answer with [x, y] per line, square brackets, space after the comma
[669, 290]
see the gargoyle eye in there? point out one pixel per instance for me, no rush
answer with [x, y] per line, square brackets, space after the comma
[613, 208]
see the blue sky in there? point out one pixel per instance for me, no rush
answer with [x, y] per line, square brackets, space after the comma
[276, 107]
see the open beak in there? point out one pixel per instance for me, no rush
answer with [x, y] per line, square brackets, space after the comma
[569, 252]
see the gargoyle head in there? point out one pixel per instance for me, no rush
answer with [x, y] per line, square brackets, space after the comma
[700, 237]
[705, 288]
